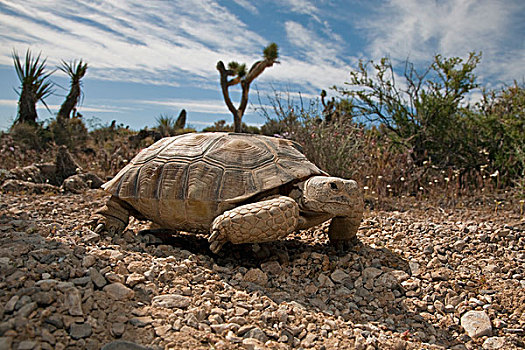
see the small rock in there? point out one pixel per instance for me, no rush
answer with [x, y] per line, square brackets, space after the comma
[325, 281]
[118, 291]
[97, 278]
[476, 324]
[252, 344]
[141, 321]
[338, 276]
[73, 302]
[88, 261]
[441, 274]
[80, 330]
[117, 329]
[26, 345]
[123, 345]
[44, 298]
[26, 309]
[309, 340]
[134, 279]
[370, 273]
[10, 305]
[81, 281]
[256, 276]
[46, 284]
[256, 333]
[272, 267]
[172, 301]
[494, 343]
[5, 343]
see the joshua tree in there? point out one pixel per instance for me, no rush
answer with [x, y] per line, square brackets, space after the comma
[239, 74]
[34, 86]
[76, 72]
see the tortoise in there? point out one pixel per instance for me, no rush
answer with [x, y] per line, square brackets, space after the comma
[241, 188]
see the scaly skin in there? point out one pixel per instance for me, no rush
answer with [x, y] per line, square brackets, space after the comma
[113, 217]
[262, 221]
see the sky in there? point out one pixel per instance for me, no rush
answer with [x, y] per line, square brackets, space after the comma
[156, 57]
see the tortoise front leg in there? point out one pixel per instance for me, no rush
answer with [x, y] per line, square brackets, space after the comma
[263, 221]
[113, 217]
[342, 231]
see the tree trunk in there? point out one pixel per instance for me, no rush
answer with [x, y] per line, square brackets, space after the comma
[69, 103]
[26, 108]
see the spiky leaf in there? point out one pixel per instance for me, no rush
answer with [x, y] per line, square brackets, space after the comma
[271, 52]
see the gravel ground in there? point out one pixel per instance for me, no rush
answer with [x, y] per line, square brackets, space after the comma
[422, 278]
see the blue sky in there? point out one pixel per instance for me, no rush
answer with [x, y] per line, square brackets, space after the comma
[154, 57]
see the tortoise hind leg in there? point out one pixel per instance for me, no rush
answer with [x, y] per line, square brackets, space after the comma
[112, 217]
[255, 222]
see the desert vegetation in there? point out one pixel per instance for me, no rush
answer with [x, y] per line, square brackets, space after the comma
[410, 134]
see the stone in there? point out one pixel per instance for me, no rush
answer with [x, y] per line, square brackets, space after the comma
[256, 333]
[117, 329]
[123, 345]
[170, 301]
[73, 302]
[338, 276]
[26, 345]
[10, 305]
[256, 276]
[141, 321]
[272, 267]
[370, 273]
[476, 324]
[252, 344]
[325, 281]
[97, 278]
[80, 330]
[441, 274]
[309, 340]
[27, 309]
[88, 261]
[134, 279]
[494, 343]
[6, 343]
[118, 291]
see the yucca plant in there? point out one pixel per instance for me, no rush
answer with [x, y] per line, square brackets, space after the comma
[34, 86]
[76, 72]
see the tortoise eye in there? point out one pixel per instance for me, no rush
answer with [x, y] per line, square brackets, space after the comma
[333, 185]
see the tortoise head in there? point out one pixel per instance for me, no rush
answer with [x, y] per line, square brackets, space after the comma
[331, 195]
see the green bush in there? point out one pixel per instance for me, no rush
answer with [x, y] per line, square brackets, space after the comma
[501, 130]
[425, 112]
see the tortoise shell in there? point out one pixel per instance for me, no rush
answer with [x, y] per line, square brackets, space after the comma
[184, 182]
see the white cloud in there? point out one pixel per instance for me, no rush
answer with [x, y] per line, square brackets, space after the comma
[247, 5]
[311, 45]
[417, 30]
[159, 39]
[199, 106]
[305, 7]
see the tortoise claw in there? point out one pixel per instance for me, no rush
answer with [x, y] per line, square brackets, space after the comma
[99, 228]
[216, 241]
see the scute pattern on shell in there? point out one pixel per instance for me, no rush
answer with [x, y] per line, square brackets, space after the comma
[186, 181]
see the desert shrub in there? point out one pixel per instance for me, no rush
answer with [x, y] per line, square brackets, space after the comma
[30, 135]
[70, 132]
[364, 152]
[102, 133]
[170, 126]
[221, 125]
[423, 112]
[500, 121]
